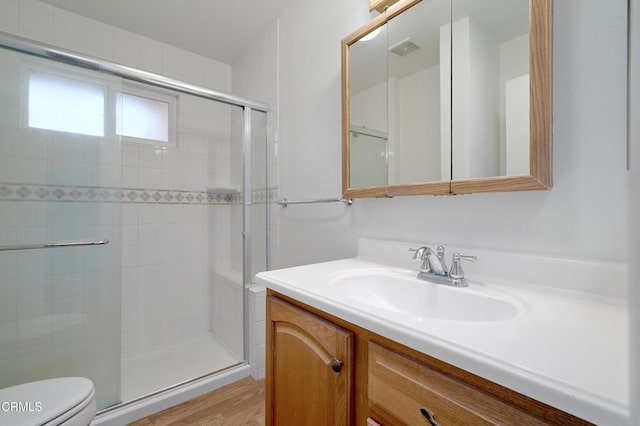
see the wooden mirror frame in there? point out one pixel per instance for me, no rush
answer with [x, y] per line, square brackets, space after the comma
[540, 116]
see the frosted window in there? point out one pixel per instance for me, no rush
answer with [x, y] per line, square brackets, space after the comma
[65, 104]
[142, 118]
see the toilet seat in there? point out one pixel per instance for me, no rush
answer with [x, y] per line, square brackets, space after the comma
[67, 401]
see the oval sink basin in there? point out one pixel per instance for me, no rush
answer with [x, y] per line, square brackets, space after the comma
[401, 293]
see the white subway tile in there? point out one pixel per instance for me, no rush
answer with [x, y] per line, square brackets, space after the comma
[68, 305]
[150, 275]
[67, 29]
[8, 293]
[36, 20]
[129, 256]
[129, 277]
[129, 341]
[149, 301]
[67, 286]
[189, 105]
[171, 331]
[8, 169]
[172, 253]
[195, 181]
[98, 39]
[130, 177]
[129, 235]
[172, 159]
[129, 154]
[150, 234]
[130, 214]
[149, 336]
[172, 293]
[149, 213]
[172, 62]
[172, 180]
[150, 178]
[193, 143]
[150, 55]
[149, 157]
[150, 255]
[171, 233]
[9, 13]
[192, 68]
[172, 213]
[126, 48]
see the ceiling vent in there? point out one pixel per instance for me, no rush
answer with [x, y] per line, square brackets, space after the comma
[404, 47]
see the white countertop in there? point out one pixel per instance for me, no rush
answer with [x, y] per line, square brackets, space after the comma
[564, 348]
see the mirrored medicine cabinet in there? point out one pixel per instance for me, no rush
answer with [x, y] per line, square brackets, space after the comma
[448, 97]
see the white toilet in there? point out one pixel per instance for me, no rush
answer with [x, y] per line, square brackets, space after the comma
[68, 401]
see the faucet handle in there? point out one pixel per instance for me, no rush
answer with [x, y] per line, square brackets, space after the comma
[418, 254]
[456, 271]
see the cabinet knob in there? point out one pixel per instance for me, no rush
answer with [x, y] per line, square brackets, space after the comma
[428, 414]
[336, 365]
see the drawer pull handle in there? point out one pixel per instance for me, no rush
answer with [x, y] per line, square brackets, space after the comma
[336, 365]
[428, 414]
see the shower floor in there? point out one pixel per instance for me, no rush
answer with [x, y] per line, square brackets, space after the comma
[155, 369]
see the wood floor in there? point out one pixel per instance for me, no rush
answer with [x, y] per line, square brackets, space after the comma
[240, 403]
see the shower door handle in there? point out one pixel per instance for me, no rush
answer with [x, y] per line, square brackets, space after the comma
[54, 245]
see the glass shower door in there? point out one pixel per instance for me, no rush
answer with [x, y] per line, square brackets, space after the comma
[261, 194]
[59, 184]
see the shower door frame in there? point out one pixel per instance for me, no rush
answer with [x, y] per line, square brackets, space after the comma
[43, 50]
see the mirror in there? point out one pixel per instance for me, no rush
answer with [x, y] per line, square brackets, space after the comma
[490, 86]
[428, 110]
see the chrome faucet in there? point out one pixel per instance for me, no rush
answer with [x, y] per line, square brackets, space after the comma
[434, 266]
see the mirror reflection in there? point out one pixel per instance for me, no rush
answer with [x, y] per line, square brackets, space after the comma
[368, 130]
[418, 101]
[490, 76]
[430, 104]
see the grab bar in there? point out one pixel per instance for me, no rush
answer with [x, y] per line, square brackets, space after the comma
[54, 245]
[284, 202]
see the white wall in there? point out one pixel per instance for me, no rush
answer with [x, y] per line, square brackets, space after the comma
[585, 215]
[484, 56]
[514, 62]
[366, 110]
[634, 211]
[310, 129]
[369, 154]
[516, 120]
[417, 135]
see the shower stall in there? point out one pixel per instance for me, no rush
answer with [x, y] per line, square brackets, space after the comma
[133, 216]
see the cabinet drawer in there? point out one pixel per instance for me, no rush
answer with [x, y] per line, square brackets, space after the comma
[400, 387]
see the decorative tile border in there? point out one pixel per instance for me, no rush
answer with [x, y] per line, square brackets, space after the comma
[259, 196]
[94, 194]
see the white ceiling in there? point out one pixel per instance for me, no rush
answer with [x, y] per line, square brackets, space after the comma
[218, 29]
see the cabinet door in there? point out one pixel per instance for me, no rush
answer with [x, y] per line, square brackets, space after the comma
[309, 368]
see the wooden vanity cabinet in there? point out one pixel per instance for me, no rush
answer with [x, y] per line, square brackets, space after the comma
[310, 368]
[381, 381]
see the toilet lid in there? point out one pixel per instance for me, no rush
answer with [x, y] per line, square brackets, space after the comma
[40, 402]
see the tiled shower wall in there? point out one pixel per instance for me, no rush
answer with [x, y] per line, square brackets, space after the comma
[165, 214]
[166, 288]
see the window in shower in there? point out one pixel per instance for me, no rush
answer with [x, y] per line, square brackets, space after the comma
[61, 102]
[66, 104]
[146, 116]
